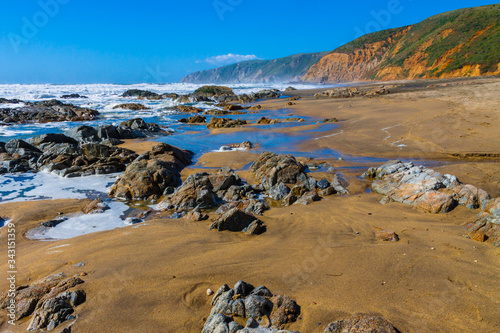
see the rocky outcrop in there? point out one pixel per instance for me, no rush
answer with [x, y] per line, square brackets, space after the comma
[150, 174]
[214, 93]
[141, 94]
[45, 112]
[131, 106]
[205, 190]
[237, 220]
[486, 226]
[225, 123]
[271, 169]
[361, 323]
[73, 96]
[352, 92]
[263, 311]
[424, 188]
[51, 301]
[194, 120]
[267, 121]
[188, 109]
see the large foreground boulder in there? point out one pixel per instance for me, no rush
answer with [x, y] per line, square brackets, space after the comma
[151, 173]
[272, 169]
[263, 311]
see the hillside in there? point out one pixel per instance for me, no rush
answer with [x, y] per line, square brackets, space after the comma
[291, 68]
[464, 42]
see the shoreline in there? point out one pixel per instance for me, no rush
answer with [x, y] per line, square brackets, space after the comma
[325, 256]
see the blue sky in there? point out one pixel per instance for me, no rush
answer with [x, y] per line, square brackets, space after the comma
[91, 41]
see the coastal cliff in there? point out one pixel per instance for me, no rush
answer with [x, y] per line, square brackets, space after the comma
[460, 43]
[464, 42]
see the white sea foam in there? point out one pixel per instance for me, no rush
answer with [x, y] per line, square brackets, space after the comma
[43, 185]
[83, 224]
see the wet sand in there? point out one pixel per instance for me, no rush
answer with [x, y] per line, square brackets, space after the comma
[153, 277]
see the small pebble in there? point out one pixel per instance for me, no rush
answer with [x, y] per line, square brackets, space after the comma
[357, 232]
[433, 248]
[210, 292]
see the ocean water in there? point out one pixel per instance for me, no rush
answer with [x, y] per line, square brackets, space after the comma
[103, 97]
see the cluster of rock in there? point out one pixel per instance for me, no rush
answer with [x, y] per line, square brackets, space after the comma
[262, 311]
[51, 301]
[275, 171]
[82, 151]
[152, 173]
[225, 123]
[267, 121]
[194, 120]
[246, 309]
[203, 190]
[240, 202]
[218, 94]
[433, 192]
[44, 112]
[350, 92]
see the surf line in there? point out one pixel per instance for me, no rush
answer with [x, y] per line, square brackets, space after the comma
[327, 136]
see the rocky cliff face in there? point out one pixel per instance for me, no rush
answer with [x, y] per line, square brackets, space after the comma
[460, 43]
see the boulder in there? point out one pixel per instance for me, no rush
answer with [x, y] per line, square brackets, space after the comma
[225, 123]
[237, 220]
[486, 226]
[46, 111]
[188, 109]
[214, 93]
[151, 173]
[194, 120]
[271, 169]
[361, 323]
[73, 96]
[131, 106]
[141, 94]
[424, 188]
[264, 311]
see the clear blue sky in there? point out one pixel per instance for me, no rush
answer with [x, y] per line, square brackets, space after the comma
[99, 41]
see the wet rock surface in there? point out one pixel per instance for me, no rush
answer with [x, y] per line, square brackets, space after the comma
[131, 106]
[361, 323]
[45, 112]
[51, 301]
[262, 311]
[150, 174]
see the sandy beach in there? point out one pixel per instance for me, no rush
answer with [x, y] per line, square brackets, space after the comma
[153, 277]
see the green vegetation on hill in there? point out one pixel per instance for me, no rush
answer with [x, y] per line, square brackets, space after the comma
[464, 25]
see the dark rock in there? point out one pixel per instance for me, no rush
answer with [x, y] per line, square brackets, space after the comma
[237, 220]
[278, 191]
[271, 169]
[47, 111]
[188, 109]
[225, 123]
[131, 106]
[308, 198]
[361, 323]
[263, 311]
[323, 184]
[150, 174]
[214, 93]
[140, 94]
[194, 120]
[73, 96]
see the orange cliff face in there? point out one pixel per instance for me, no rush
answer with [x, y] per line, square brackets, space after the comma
[371, 62]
